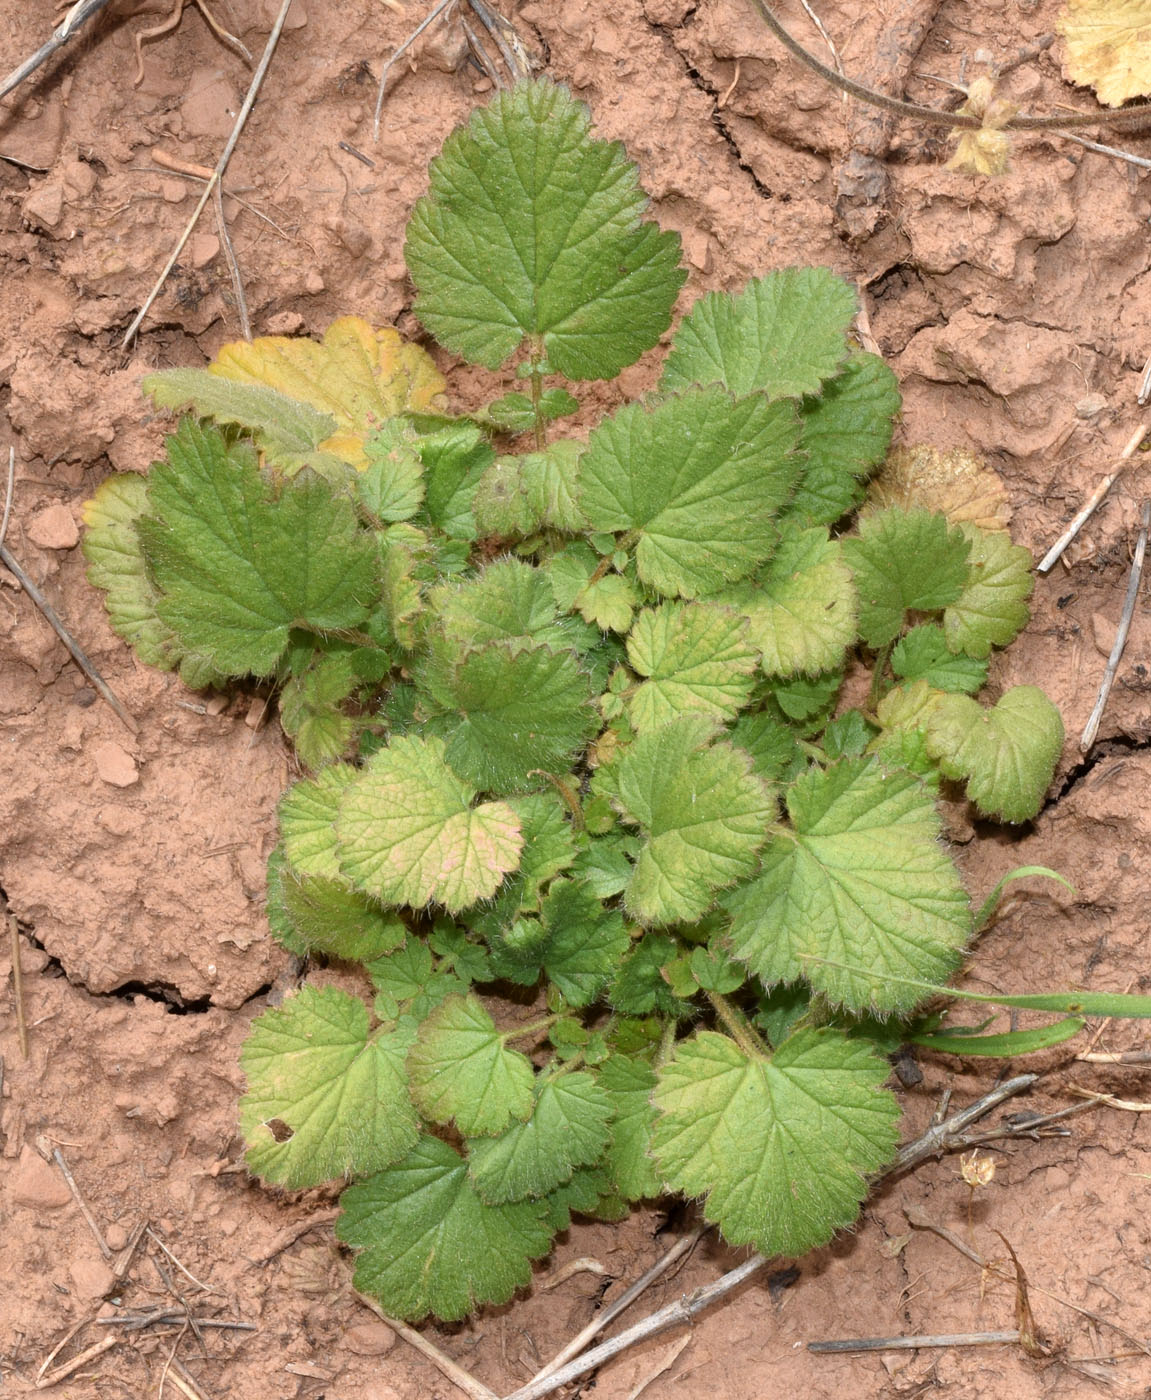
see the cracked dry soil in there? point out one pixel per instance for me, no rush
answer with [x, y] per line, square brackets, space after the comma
[1017, 314]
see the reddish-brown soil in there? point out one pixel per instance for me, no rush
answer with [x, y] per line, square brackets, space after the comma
[1016, 314]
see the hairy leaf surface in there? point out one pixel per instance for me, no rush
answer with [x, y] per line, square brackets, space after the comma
[428, 1244]
[408, 833]
[699, 479]
[702, 812]
[531, 229]
[325, 1099]
[860, 879]
[779, 1148]
[782, 335]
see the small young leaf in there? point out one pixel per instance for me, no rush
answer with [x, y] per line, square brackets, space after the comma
[567, 1128]
[359, 375]
[1005, 755]
[861, 878]
[700, 478]
[904, 560]
[535, 491]
[566, 259]
[696, 656]
[331, 919]
[808, 699]
[605, 864]
[429, 1244]
[802, 608]
[640, 985]
[780, 1148]
[406, 983]
[782, 335]
[771, 743]
[459, 1068]
[226, 557]
[391, 487]
[702, 811]
[408, 833]
[310, 709]
[522, 709]
[514, 413]
[846, 431]
[629, 1083]
[585, 941]
[308, 821]
[455, 459]
[325, 1099]
[923, 654]
[608, 603]
[582, 1194]
[992, 609]
[847, 736]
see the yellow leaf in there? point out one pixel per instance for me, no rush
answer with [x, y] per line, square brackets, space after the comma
[359, 375]
[1108, 47]
[984, 151]
[958, 484]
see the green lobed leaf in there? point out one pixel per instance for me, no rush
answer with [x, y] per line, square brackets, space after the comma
[630, 1082]
[782, 336]
[585, 941]
[696, 656]
[408, 833]
[992, 609]
[330, 918]
[325, 1099]
[408, 982]
[846, 432]
[565, 257]
[808, 699]
[923, 655]
[535, 491]
[772, 745]
[847, 736]
[567, 1128]
[391, 486]
[460, 1069]
[310, 709]
[228, 558]
[778, 1147]
[702, 811]
[455, 459]
[802, 607]
[860, 878]
[1005, 755]
[428, 1244]
[307, 817]
[508, 599]
[522, 709]
[904, 560]
[699, 480]
[116, 564]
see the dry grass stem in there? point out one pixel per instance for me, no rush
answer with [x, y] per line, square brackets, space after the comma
[218, 172]
[79, 14]
[1112, 667]
[1090, 506]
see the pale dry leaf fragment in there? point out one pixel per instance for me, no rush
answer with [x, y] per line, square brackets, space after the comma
[958, 484]
[984, 151]
[1108, 47]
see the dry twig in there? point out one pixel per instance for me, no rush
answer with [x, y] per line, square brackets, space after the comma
[1091, 505]
[1111, 669]
[955, 1339]
[9, 491]
[89, 1218]
[53, 620]
[79, 14]
[218, 172]
[456, 1374]
[18, 984]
